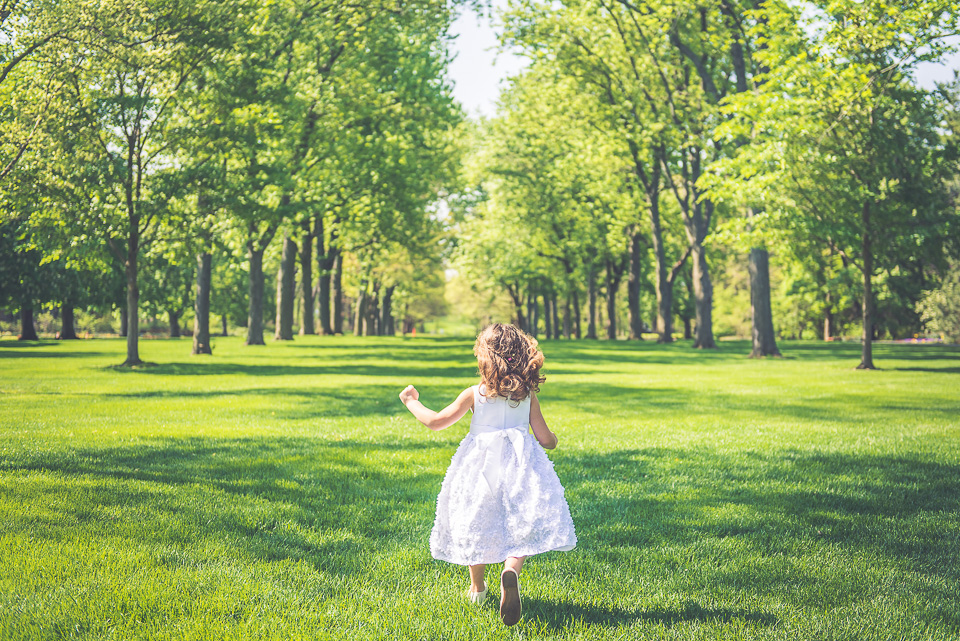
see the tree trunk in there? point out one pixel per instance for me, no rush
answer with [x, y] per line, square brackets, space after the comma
[133, 301]
[28, 331]
[306, 282]
[286, 290]
[255, 315]
[123, 321]
[703, 297]
[324, 266]
[174, 318]
[576, 314]
[201, 306]
[566, 317]
[664, 289]
[555, 309]
[68, 329]
[764, 341]
[372, 316]
[517, 299]
[828, 318]
[664, 284]
[360, 310]
[613, 284]
[633, 289]
[224, 321]
[687, 328]
[591, 304]
[386, 312]
[866, 357]
[665, 312]
[336, 292]
[547, 316]
[532, 315]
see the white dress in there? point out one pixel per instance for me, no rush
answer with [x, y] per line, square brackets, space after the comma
[500, 496]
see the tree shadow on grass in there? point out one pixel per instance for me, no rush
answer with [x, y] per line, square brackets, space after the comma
[643, 403]
[895, 506]
[328, 400]
[929, 370]
[29, 351]
[306, 403]
[560, 616]
[408, 369]
[328, 504]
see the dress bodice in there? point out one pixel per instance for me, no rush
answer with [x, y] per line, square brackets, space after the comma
[498, 413]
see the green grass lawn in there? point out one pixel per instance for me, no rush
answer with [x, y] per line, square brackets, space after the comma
[284, 492]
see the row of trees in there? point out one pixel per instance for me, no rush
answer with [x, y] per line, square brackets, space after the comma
[645, 135]
[163, 156]
[186, 137]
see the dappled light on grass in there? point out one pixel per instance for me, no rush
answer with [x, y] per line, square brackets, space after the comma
[281, 492]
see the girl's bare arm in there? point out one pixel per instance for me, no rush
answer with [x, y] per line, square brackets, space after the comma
[545, 437]
[443, 419]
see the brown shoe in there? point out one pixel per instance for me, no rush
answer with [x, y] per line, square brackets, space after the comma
[509, 597]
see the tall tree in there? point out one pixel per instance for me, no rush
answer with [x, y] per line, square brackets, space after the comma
[849, 142]
[126, 95]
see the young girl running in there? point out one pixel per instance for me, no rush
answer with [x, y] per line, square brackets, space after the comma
[501, 500]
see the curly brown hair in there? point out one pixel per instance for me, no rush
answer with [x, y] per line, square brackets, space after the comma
[509, 362]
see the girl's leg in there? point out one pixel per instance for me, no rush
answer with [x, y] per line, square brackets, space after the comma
[477, 583]
[510, 590]
[514, 563]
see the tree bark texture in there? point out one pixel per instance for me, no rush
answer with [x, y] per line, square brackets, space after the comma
[327, 254]
[532, 313]
[201, 306]
[664, 308]
[828, 317]
[123, 321]
[255, 313]
[360, 310]
[547, 317]
[336, 292]
[68, 330]
[577, 312]
[28, 330]
[517, 298]
[224, 321]
[386, 312]
[174, 318]
[703, 297]
[591, 304]
[567, 321]
[663, 282]
[764, 341]
[866, 356]
[133, 301]
[613, 284]
[555, 310]
[286, 290]
[306, 281]
[372, 316]
[650, 177]
[633, 288]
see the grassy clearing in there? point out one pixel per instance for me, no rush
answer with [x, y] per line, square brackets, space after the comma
[283, 492]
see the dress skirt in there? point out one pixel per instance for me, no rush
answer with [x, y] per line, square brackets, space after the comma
[500, 498]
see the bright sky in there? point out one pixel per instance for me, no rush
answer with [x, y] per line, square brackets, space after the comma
[478, 69]
[928, 73]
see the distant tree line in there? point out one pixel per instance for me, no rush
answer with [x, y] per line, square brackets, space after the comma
[150, 148]
[165, 158]
[646, 137]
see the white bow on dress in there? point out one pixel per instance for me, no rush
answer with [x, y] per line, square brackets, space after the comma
[492, 441]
